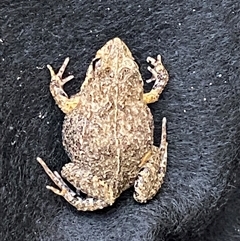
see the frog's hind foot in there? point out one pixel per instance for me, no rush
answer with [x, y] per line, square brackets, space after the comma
[159, 75]
[80, 203]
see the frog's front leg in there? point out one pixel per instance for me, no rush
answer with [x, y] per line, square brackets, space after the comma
[65, 103]
[84, 204]
[160, 76]
[150, 177]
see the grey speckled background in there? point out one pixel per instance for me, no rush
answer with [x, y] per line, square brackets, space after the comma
[199, 42]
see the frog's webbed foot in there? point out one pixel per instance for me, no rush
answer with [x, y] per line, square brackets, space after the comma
[65, 103]
[150, 177]
[84, 204]
[159, 75]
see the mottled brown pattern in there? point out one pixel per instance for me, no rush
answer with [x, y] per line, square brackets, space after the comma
[108, 130]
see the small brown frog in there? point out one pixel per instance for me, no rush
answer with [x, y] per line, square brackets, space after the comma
[108, 130]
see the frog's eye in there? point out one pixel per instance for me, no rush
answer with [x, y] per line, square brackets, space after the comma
[96, 63]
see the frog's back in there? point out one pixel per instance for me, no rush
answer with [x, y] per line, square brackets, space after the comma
[98, 140]
[112, 128]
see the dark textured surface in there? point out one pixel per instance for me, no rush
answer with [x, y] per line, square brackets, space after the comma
[199, 42]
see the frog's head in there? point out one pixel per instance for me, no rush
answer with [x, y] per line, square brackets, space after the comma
[113, 72]
[114, 49]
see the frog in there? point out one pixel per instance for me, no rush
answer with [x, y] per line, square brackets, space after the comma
[108, 131]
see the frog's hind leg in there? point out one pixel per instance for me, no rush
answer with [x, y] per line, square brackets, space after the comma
[160, 76]
[65, 103]
[150, 177]
[83, 204]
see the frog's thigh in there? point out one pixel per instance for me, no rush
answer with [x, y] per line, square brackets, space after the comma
[150, 177]
[87, 183]
[86, 204]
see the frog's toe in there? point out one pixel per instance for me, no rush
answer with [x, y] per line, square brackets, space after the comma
[56, 178]
[57, 78]
[56, 191]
